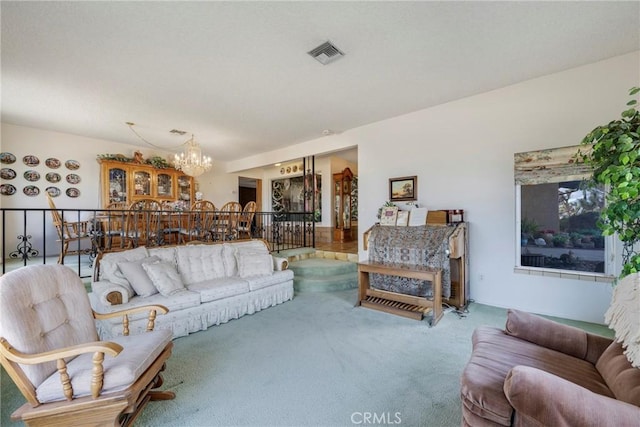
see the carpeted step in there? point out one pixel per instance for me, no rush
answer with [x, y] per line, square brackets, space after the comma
[323, 275]
[338, 282]
[292, 253]
[322, 267]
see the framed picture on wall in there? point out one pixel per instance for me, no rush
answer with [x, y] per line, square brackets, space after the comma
[403, 189]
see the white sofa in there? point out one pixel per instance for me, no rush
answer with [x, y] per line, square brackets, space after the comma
[202, 285]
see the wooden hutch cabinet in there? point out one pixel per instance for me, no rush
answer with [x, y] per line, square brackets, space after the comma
[128, 182]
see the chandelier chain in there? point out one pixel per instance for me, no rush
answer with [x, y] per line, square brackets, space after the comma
[150, 143]
[191, 161]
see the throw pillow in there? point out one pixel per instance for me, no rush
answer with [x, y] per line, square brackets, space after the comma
[109, 266]
[137, 277]
[254, 264]
[164, 277]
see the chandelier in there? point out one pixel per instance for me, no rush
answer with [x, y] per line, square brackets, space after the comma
[191, 161]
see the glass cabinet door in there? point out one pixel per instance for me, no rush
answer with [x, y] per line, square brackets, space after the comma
[142, 184]
[184, 188]
[117, 185]
[338, 205]
[346, 215]
[165, 185]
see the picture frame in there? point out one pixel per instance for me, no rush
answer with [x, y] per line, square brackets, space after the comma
[403, 218]
[403, 189]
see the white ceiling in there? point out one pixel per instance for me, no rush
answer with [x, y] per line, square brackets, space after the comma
[236, 74]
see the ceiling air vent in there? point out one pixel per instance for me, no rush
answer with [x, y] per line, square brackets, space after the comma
[326, 53]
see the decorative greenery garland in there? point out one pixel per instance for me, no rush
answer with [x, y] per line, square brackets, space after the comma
[155, 161]
[615, 159]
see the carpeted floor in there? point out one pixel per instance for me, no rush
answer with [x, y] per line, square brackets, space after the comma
[315, 361]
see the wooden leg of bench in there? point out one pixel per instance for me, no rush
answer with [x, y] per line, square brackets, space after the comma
[437, 299]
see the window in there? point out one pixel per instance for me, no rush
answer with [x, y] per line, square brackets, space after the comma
[557, 216]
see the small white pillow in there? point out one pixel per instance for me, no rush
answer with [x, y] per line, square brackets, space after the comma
[254, 264]
[164, 277]
[109, 266]
[137, 277]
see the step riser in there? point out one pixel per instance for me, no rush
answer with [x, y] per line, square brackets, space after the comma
[301, 285]
[324, 271]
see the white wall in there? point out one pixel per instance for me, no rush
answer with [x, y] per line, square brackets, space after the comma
[44, 144]
[218, 186]
[462, 153]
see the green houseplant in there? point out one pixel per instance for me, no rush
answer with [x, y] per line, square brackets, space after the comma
[614, 154]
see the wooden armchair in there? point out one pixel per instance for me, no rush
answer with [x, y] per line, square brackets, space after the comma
[69, 231]
[49, 346]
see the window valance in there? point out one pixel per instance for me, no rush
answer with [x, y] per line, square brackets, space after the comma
[551, 165]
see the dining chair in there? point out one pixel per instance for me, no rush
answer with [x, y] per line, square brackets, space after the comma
[110, 225]
[198, 225]
[143, 223]
[70, 232]
[49, 346]
[246, 219]
[226, 220]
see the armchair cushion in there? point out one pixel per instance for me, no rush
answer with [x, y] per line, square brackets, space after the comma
[543, 399]
[495, 353]
[555, 336]
[119, 372]
[621, 377]
[36, 318]
[546, 333]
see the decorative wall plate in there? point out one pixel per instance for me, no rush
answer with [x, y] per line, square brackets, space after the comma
[52, 162]
[7, 173]
[282, 171]
[295, 168]
[7, 189]
[53, 191]
[73, 192]
[72, 178]
[31, 190]
[288, 169]
[7, 158]
[31, 175]
[72, 164]
[31, 160]
[53, 177]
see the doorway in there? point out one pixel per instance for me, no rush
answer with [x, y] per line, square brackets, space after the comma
[250, 190]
